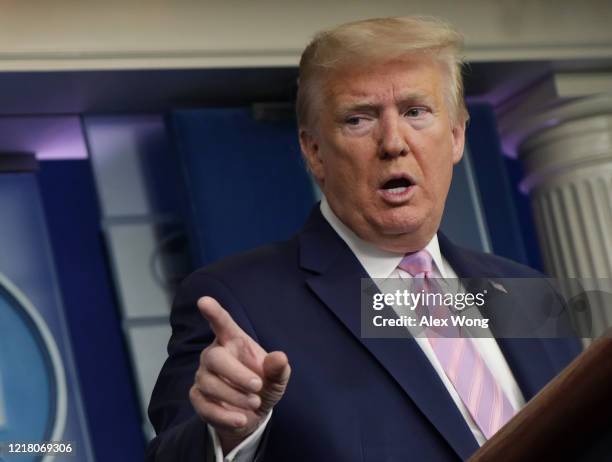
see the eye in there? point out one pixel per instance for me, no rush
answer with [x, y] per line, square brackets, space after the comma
[415, 112]
[354, 120]
[357, 124]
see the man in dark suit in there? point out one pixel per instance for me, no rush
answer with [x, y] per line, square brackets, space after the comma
[381, 124]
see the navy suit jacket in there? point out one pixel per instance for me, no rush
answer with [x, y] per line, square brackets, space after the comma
[349, 399]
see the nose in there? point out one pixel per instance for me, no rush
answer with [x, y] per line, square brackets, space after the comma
[392, 142]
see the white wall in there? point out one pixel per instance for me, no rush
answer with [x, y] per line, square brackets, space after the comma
[71, 34]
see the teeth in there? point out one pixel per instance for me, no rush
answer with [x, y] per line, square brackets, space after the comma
[399, 190]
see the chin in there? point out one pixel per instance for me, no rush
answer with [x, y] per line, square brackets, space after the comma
[397, 222]
[406, 233]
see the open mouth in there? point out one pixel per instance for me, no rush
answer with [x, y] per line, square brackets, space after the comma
[397, 185]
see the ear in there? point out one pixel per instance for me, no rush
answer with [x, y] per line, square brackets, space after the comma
[312, 154]
[458, 141]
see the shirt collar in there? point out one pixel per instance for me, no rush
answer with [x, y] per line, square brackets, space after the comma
[378, 263]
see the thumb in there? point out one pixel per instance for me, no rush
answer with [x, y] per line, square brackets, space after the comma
[276, 368]
[276, 372]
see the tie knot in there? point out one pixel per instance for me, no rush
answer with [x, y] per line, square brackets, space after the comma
[418, 264]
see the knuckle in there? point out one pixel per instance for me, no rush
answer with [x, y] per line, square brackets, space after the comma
[193, 394]
[199, 377]
[207, 384]
[209, 355]
[199, 403]
[204, 354]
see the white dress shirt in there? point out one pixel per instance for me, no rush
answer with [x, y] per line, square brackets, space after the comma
[381, 264]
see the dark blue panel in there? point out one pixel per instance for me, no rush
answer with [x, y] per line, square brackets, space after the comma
[72, 215]
[495, 187]
[461, 213]
[246, 179]
[524, 213]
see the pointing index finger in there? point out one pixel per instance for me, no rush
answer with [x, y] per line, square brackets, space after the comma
[222, 324]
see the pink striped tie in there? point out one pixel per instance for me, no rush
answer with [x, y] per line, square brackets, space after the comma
[480, 392]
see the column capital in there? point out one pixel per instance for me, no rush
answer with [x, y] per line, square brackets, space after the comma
[561, 97]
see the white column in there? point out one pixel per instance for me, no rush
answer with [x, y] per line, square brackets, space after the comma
[569, 178]
[563, 136]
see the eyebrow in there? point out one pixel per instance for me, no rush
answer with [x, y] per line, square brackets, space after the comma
[367, 105]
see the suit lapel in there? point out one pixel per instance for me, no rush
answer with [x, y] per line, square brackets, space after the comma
[336, 280]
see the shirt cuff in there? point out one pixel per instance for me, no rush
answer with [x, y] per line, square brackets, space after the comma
[245, 451]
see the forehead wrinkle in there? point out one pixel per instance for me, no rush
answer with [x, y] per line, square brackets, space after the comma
[348, 91]
[413, 96]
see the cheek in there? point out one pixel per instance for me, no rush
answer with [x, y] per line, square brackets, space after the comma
[440, 169]
[442, 182]
[437, 167]
[342, 180]
[347, 161]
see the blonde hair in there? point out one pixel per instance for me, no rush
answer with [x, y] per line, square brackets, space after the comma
[372, 41]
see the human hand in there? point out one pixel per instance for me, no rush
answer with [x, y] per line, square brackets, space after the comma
[237, 381]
